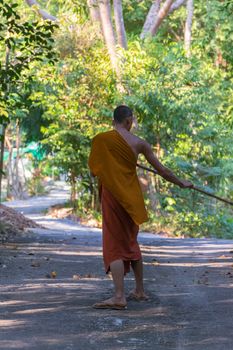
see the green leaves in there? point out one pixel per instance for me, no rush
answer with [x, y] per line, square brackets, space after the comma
[22, 44]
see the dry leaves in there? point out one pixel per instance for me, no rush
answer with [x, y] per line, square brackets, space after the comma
[52, 274]
[12, 222]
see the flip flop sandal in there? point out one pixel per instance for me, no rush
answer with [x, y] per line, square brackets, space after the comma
[104, 305]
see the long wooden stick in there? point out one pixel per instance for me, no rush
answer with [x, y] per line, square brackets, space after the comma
[194, 187]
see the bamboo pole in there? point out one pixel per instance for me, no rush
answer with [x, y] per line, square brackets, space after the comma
[194, 187]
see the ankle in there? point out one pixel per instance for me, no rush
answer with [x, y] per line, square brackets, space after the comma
[119, 296]
[139, 290]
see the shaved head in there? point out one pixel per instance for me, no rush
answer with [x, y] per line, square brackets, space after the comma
[121, 113]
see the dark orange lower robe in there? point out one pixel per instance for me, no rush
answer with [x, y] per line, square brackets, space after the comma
[119, 233]
[114, 163]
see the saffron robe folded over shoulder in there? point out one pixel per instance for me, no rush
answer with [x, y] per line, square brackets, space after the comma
[114, 163]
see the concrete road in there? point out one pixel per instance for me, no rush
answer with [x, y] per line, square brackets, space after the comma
[51, 278]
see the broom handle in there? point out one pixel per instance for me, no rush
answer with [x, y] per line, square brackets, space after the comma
[194, 187]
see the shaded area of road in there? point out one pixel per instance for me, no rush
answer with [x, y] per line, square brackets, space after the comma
[190, 284]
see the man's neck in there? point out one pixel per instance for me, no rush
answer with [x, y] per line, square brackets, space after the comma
[121, 128]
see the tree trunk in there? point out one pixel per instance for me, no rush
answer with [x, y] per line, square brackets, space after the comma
[119, 23]
[16, 180]
[9, 167]
[177, 4]
[73, 183]
[188, 28]
[3, 125]
[152, 14]
[94, 10]
[156, 15]
[42, 13]
[2, 135]
[95, 200]
[154, 202]
[163, 12]
[108, 32]
[18, 173]
[158, 155]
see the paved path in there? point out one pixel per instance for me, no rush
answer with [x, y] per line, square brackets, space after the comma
[190, 283]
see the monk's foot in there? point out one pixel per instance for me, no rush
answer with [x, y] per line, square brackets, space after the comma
[138, 296]
[112, 303]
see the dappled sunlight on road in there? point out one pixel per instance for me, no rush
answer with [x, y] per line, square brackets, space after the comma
[188, 281]
[13, 323]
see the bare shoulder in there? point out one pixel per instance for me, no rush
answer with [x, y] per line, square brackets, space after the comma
[142, 144]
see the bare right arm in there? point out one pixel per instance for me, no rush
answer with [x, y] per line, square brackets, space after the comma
[167, 174]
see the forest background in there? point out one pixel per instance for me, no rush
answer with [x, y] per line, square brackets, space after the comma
[65, 65]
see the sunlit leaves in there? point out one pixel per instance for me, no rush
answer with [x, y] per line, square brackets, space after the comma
[21, 44]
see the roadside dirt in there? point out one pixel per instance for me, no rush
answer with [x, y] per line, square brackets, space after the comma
[13, 222]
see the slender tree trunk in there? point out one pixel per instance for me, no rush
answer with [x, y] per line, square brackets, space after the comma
[95, 200]
[156, 15]
[9, 166]
[119, 23]
[152, 14]
[220, 61]
[153, 193]
[158, 154]
[2, 135]
[3, 125]
[163, 12]
[108, 32]
[177, 4]
[73, 183]
[42, 13]
[16, 183]
[94, 10]
[188, 28]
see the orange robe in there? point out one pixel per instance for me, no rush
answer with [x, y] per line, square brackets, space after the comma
[114, 163]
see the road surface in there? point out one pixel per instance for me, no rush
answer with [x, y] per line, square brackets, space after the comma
[50, 278]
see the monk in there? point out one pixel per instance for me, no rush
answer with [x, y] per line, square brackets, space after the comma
[113, 160]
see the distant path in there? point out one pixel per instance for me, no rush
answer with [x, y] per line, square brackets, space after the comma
[190, 283]
[59, 194]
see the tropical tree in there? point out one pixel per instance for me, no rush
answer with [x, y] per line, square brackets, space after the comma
[23, 42]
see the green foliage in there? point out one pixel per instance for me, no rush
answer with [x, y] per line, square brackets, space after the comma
[22, 43]
[183, 105]
[35, 185]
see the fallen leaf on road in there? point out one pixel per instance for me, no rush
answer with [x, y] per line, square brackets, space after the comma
[53, 274]
[76, 277]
